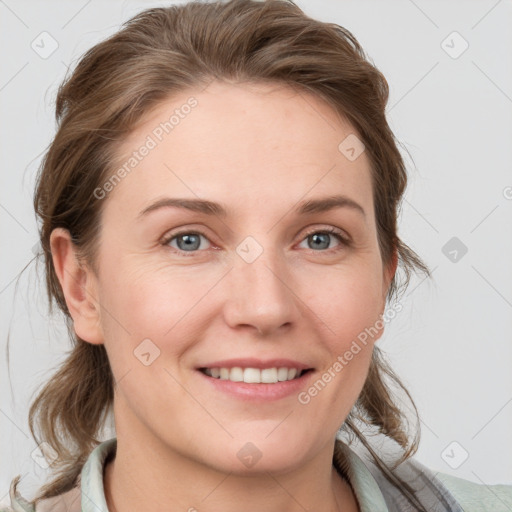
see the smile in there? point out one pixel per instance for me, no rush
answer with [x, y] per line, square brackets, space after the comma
[254, 375]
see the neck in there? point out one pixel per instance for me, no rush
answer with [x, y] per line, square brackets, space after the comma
[148, 477]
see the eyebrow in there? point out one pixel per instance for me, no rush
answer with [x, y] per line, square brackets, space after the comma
[212, 208]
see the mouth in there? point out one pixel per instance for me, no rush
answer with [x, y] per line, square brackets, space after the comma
[250, 375]
[256, 380]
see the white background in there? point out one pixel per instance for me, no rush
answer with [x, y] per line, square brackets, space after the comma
[451, 343]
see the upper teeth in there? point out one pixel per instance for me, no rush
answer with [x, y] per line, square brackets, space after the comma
[253, 375]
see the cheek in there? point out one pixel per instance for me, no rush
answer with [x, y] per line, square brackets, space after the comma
[348, 305]
[142, 302]
[349, 309]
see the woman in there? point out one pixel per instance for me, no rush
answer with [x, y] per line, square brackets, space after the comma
[219, 223]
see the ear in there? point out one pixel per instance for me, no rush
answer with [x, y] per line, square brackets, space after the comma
[79, 285]
[389, 273]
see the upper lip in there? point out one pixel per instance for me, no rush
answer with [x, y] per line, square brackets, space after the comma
[251, 362]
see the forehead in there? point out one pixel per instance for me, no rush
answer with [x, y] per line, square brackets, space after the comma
[250, 144]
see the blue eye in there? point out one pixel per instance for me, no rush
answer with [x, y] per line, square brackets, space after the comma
[322, 238]
[189, 242]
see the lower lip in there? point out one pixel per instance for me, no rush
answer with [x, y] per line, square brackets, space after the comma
[259, 392]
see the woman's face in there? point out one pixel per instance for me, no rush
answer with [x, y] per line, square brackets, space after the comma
[248, 275]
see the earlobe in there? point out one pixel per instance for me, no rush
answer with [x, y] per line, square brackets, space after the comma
[78, 284]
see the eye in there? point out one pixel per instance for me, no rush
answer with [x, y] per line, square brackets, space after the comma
[190, 241]
[320, 239]
[186, 241]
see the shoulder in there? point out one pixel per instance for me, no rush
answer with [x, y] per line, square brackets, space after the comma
[475, 497]
[433, 489]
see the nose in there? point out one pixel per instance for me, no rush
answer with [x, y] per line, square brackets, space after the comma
[261, 296]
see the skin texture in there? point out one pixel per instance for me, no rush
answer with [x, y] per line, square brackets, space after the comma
[260, 150]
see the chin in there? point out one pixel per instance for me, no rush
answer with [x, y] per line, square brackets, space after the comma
[253, 454]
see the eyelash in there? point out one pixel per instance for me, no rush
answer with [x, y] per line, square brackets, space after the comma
[344, 241]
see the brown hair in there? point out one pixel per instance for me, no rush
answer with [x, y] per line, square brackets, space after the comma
[163, 51]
